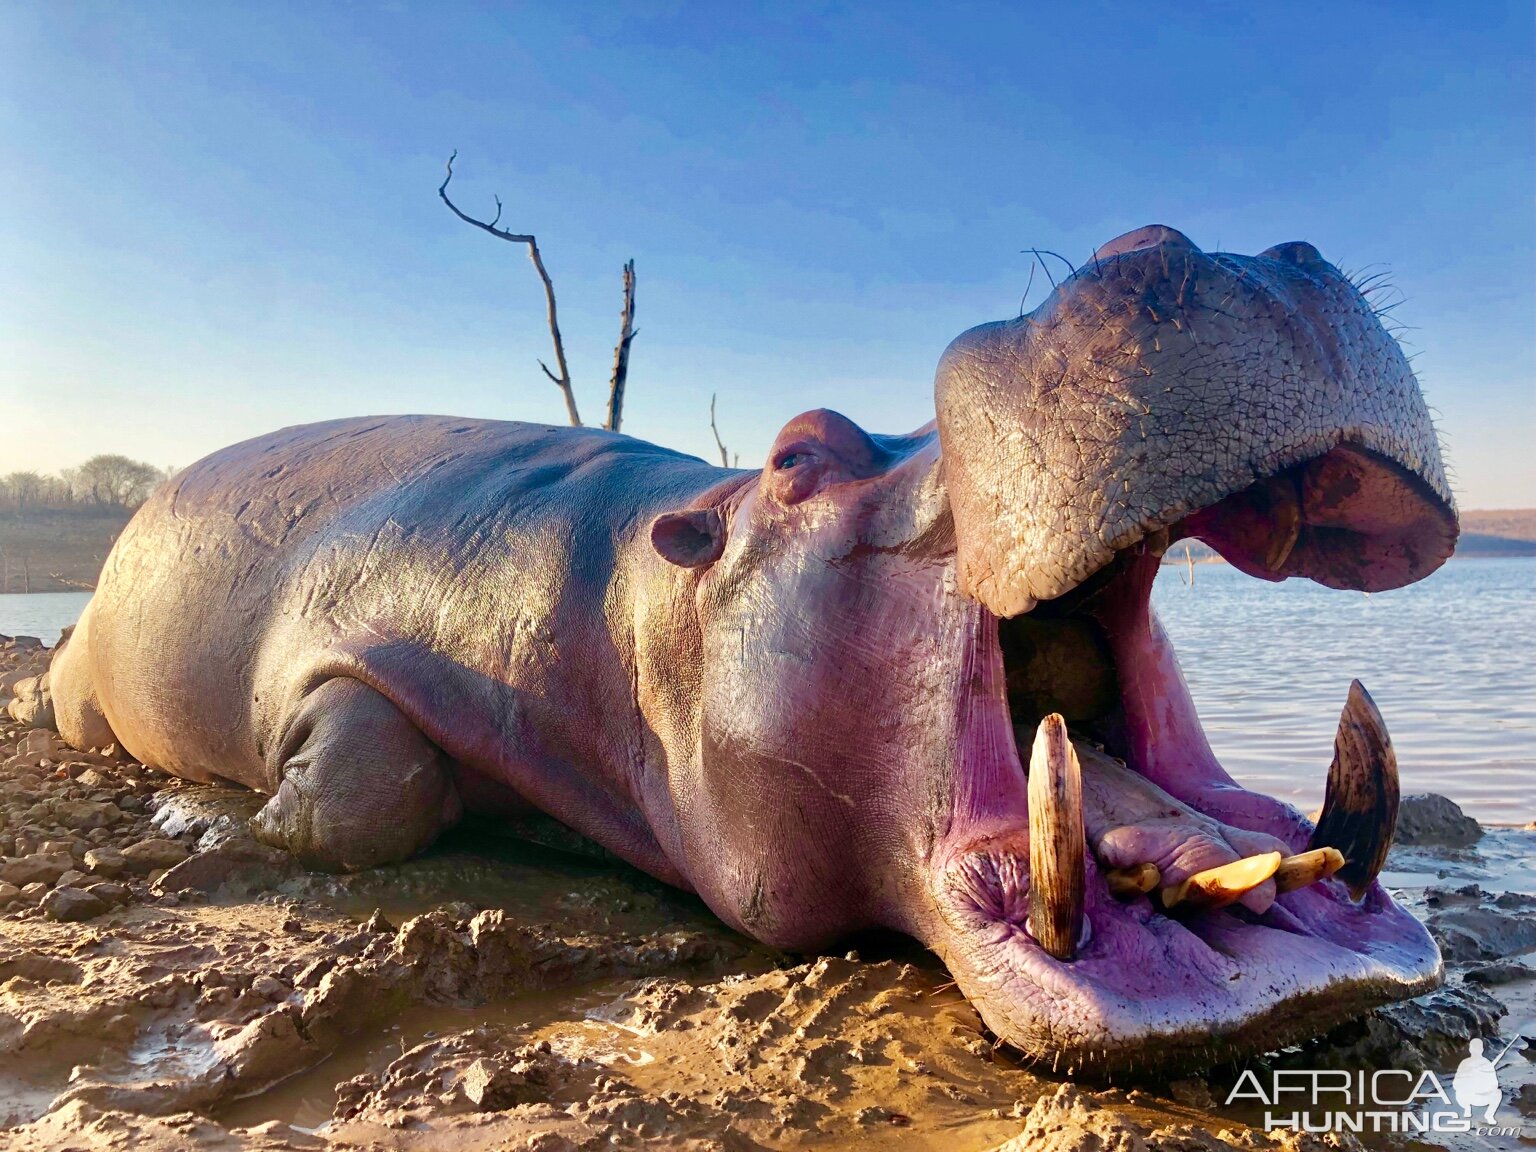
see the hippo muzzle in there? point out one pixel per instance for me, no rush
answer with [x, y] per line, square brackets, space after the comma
[1111, 899]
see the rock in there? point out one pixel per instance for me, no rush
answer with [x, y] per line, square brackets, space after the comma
[150, 855]
[8, 894]
[1500, 972]
[235, 866]
[91, 778]
[25, 643]
[70, 905]
[1431, 819]
[32, 893]
[492, 1087]
[110, 891]
[70, 879]
[1481, 930]
[105, 861]
[35, 743]
[270, 988]
[87, 814]
[36, 868]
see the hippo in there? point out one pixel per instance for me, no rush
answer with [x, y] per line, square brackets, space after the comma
[903, 682]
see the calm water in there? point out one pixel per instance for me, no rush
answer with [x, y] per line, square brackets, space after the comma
[1451, 662]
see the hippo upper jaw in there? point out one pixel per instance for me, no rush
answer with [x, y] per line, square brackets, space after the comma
[1110, 900]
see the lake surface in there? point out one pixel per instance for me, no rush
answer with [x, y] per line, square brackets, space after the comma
[1451, 662]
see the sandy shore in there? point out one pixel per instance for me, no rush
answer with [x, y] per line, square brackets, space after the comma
[166, 983]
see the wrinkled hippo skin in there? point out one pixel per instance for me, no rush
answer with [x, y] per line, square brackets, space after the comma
[801, 692]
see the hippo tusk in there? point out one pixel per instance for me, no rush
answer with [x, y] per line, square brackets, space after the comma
[1359, 815]
[1307, 868]
[1218, 887]
[1129, 883]
[1285, 511]
[1057, 843]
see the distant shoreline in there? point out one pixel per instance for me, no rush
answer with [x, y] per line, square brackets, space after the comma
[63, 550]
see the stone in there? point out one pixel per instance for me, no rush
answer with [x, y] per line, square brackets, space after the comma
[1430, 819]
[105, 861]
[70, 905]
[269, 988]
[234, 867]
[8, 894]
[37, 868]
[87, 814]
[110, 891]
[154, 855]
[70, 879]
[35, 743]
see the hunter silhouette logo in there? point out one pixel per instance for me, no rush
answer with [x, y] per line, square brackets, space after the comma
[1394, 1100]
[1476, 1083]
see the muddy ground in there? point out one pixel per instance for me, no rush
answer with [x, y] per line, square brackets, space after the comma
[165, 982]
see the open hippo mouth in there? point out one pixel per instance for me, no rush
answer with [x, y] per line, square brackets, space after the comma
[1148, 913]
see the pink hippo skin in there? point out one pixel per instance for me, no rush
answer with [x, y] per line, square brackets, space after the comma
[802, 692]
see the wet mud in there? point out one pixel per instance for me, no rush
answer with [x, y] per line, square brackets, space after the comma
[166, 982]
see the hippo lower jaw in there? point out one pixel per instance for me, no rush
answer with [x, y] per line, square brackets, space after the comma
[1146, 987]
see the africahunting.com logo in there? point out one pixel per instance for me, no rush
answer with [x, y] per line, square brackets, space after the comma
[1385, 1100]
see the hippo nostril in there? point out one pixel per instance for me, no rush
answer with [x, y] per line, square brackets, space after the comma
[1297, 252]
[1149, 237]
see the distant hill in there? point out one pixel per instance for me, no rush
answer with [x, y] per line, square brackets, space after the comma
[1498, 532]
[1484, 532]
[57, 550]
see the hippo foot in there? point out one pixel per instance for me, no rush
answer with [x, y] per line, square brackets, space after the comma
[360, 785]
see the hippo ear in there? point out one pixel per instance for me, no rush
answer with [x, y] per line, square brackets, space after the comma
[689, 539]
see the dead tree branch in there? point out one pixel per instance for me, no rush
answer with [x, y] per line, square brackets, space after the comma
[563, 380]
[621, 351]
[725, 459]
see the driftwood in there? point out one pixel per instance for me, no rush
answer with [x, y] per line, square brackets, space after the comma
[562, 380]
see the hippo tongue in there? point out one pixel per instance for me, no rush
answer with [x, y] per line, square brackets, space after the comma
[1154, 389]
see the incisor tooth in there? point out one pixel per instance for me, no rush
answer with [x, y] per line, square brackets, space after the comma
[1218, 887]
[1057, 873]
[1129, 883]
[1359, 815]
[1307, 868]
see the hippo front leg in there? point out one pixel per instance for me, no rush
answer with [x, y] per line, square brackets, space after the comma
[359, 783]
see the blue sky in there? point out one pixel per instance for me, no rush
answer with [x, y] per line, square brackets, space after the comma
[220, 219]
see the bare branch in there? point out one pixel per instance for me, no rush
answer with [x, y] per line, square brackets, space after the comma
[725, 460]
[563, 380]
[621, 351]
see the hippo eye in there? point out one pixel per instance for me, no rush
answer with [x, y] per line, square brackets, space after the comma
[787, 462]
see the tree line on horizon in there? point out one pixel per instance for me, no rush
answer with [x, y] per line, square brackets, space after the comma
[105, 482]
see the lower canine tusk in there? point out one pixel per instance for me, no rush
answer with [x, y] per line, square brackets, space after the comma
[1359, 815]
[1307, 868]
[1218, 887]
[1129, 883]
[1057, 844]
